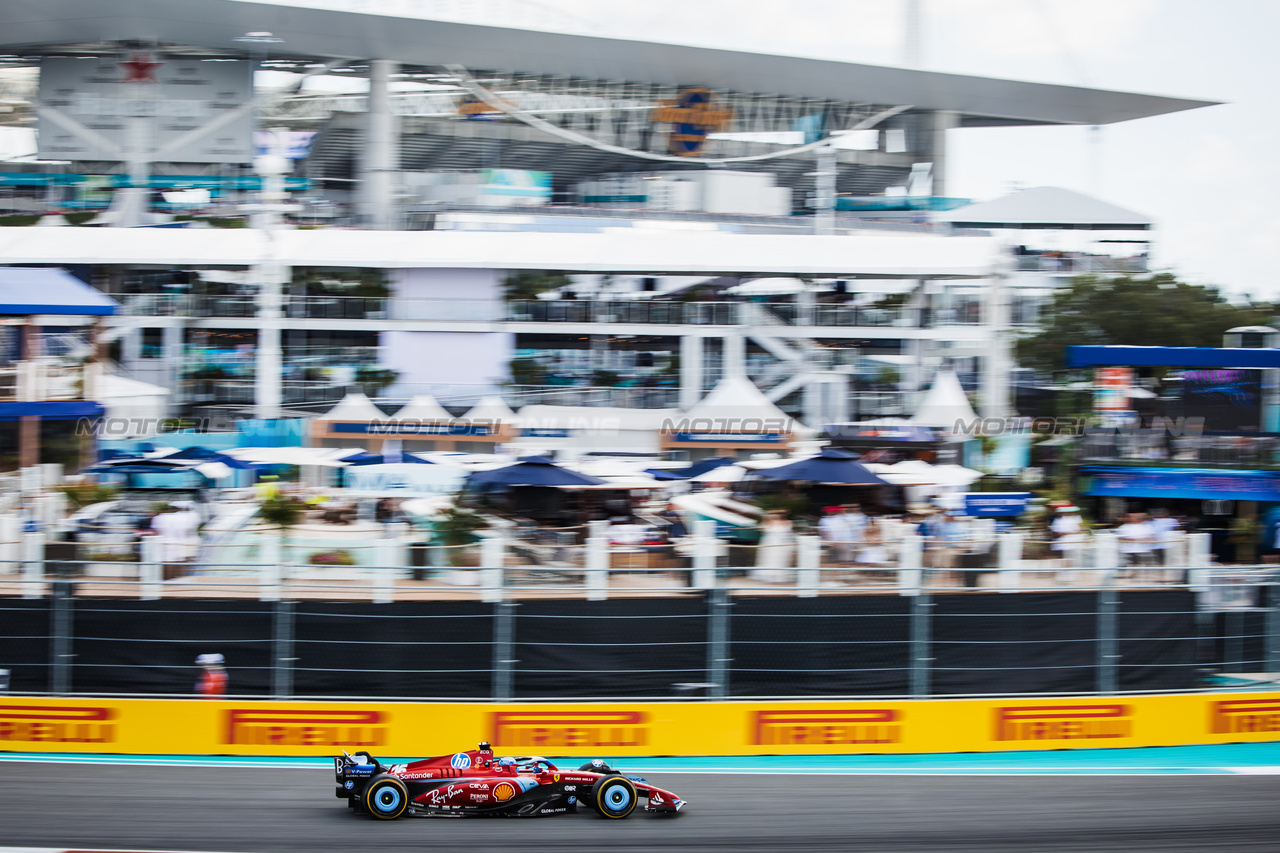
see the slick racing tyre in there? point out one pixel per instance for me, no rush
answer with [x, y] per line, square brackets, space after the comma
[386, 798]
[613, 797]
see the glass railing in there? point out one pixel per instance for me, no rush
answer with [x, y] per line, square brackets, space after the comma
[1240, 451]
[638, 312]
[1080, 264]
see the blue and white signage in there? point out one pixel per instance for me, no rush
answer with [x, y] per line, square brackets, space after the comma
[996, 504]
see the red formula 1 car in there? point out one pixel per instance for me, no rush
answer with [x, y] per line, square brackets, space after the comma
[477, 782]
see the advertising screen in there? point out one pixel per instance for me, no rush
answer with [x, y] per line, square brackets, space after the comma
[1228, 400]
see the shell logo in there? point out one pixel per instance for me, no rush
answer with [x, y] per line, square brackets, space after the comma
[503, 792]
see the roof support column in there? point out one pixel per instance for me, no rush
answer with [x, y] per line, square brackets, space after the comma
[690, 371]
[382, 154]
[268, 372]
[997, 361]
[938, 123]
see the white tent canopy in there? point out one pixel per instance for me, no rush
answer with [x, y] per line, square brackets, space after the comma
[594, 417]
[424, 408]
[735, 399]
[944, 403]
[141, 405]
[354, 407]
[492, 408]
[1047, 207]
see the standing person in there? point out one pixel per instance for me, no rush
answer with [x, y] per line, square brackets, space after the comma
[1165, 530]
[1136, 539]
[947, 536]
[834, 530]
[856, 521]
[1067, 534]
[873, 552]
[773, 559]
[213, 678]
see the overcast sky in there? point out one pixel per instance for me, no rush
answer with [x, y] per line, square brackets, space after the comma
[1209, 177]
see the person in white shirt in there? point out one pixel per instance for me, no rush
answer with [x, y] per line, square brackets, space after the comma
[1165, 529]
[1136, 541]
[1067, 531]
[834, 529]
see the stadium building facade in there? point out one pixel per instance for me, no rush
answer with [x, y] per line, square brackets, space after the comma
[680, 214]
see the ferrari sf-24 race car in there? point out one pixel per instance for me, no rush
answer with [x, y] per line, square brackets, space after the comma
[476, 782]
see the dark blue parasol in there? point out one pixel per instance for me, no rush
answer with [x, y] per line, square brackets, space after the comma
[829, 466]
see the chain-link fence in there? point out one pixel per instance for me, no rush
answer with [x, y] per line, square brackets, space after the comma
[571, 629]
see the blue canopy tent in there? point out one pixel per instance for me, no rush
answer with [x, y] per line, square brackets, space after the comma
[700, 467]
[830, 466]
[535, 471]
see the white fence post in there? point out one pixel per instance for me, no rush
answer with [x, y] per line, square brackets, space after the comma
[32, 565]
[386, 554]
[1008, 555]
[270, 571]
[598, 562]
[704, 553]
[149, 568]
[808, 562]
[1199, 560]
[493, 555]
[910, 574]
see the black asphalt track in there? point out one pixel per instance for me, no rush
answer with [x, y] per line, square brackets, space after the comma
[268, 810]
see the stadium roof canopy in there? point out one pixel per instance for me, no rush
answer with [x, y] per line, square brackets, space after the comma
[1047, 207]
[33, 26]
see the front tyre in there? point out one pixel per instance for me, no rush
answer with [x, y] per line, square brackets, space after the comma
[614, 797]
[386, 798]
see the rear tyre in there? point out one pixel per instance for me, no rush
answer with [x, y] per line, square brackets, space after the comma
[386, 798]
[613, 797]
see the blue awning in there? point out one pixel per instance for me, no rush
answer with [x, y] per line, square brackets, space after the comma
[52, 410]
[1196, 483]
[37, 290]
[1237, 357]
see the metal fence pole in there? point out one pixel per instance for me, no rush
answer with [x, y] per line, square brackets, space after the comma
[718, 643]
[33, 574]
[598, 562]
[61, 595]
[1108, 657]
[921, 643]
[1272, 655]
[504, 617]
[149, 569]
[282, 651]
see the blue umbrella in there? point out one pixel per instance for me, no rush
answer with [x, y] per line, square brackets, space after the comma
[204, 454]
[535, 471]
[829, 466]
[693, 470]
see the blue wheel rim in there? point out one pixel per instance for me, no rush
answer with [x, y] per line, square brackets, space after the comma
[386, 799]
[617, 798]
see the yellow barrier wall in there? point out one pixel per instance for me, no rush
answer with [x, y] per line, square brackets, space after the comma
[197, 727]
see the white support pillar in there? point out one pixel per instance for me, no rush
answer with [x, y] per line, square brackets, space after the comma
[735, 355]
[808, 563]
[824, 191]
[172, 348]
[493, 556]
[690, 371]
[598, 562]
[1199, 561]
[150, 569]
[385, 570]
[1008, 555]
[32, 564]
[938, 123]
[705, 548]
[382, 156]
[910, 573]
[271, 572]
[997, 360]
[268, 383]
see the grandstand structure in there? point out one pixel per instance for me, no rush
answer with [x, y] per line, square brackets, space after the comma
[717, 213]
